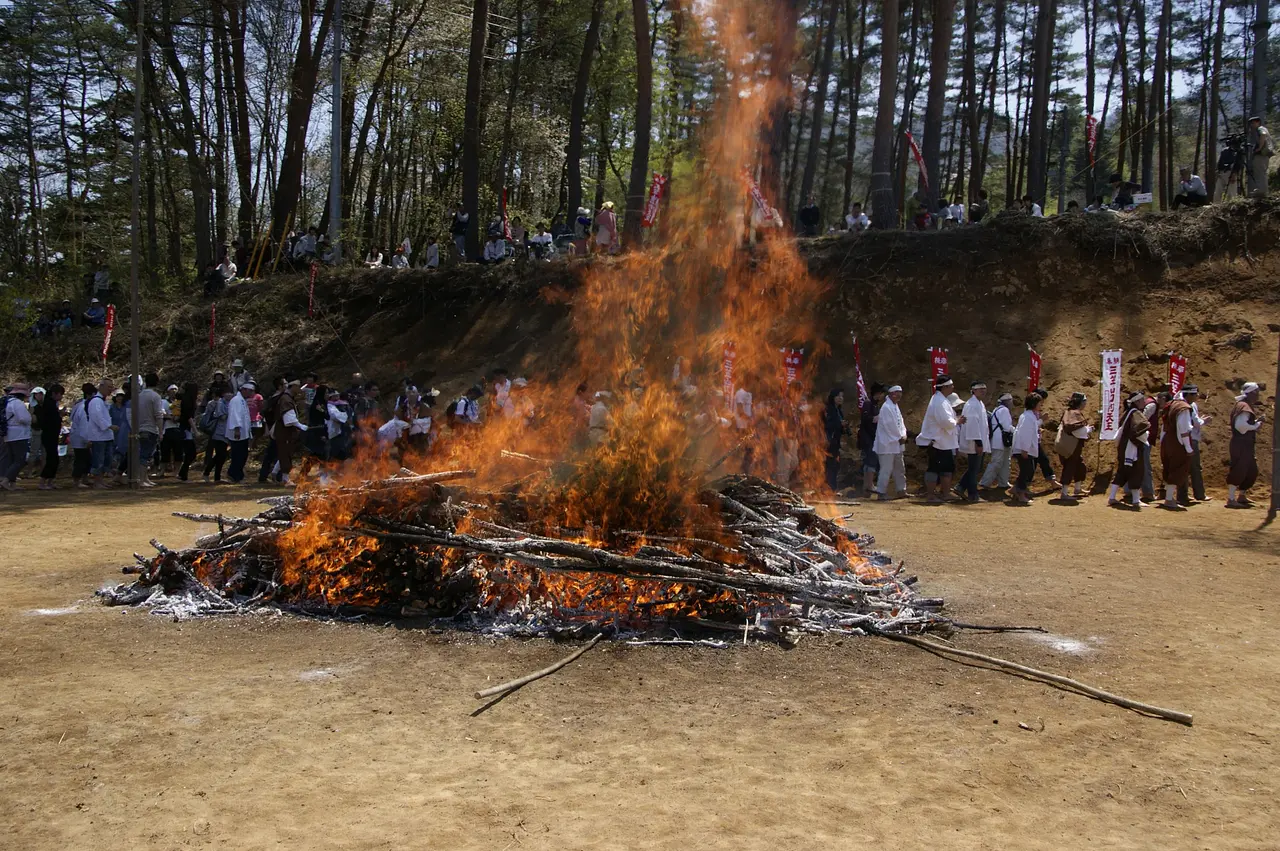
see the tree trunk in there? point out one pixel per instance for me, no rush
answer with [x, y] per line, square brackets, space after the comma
[644, 120]
[781, 57]
[471, 125]
[851, 148]
[1037, 146]
[820, 101]
[1144, 152]
[939, 51]
[1155, 114]
[1090, 8]
[1215, 100]
[883, 205]
[980, 164]
[577, 112]
[1261, 30]
[502, 173]
[969, 72]
[1122, 56]
[908, 107]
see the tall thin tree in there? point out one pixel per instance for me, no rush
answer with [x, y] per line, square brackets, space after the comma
[884, 208]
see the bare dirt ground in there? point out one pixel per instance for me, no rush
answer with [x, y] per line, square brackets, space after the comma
[123, 730]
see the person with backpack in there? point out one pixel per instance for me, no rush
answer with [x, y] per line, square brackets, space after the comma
[15, 429]
[464, 412]
[214, 423]
[1073, 434]
[1000, 439]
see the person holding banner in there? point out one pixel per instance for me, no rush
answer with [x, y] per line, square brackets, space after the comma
[1073, 434]
[940, 435]
[1133, 436]
[1245, 422]
[1176, 451]
[890, 439]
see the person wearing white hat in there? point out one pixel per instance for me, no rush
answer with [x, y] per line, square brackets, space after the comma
[35, 452]
[975, 441]
[239, 375]
[17, 434]
[1191, 393]
[95, 316]
[1245, 422]
[891, 438]
[940, 435]
[239, 430]
[1000, 439]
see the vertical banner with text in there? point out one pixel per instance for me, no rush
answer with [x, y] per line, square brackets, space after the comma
[1033, 369]
[213, 319]
[863, 396]
[1110, 427]
[937, 364]
[108, 329]
[730, 355]
[1177, 372]
[654, 203]
[311, 292]
[792, 362]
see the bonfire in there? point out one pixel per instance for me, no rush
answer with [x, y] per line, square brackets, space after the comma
[748, 560]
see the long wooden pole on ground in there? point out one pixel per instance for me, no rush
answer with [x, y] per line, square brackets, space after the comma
[537, 675]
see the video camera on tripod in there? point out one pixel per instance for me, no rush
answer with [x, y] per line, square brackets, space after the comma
[1232, 156]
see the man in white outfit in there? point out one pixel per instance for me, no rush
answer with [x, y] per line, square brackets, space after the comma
[1000, 434]
[891, 437]
[974, 440]
[940, 435]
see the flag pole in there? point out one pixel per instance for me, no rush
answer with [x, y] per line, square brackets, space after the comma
[135, 302]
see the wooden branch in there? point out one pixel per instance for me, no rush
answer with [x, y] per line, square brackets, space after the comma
[1044, 676]
[537, 675]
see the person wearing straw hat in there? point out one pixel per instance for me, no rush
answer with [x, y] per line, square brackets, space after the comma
[17, 434]
[1245, 422]
[1176, 451]
[1073, 433]
[975, 440]
[940, 435]
[1134, 431]
[1000, 439]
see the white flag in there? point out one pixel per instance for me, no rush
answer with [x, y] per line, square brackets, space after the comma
[1111, 409]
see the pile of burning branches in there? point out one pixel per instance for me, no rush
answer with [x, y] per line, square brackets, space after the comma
[752, 560]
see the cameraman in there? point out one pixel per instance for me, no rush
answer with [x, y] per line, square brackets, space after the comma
[1260, 151]
[1230, 165]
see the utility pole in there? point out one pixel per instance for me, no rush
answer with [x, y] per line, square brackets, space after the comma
[335, 141]
[1062, 163]
[135, 251]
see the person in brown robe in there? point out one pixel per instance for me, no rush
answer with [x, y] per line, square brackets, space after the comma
[1175, 450]
[1245, 422]
[285, 436]
[1075, 423]
[1129, 467]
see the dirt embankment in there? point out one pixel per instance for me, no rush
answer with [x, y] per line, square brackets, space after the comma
[1205, 283]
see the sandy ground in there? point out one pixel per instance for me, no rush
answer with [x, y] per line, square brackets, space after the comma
[120, 729]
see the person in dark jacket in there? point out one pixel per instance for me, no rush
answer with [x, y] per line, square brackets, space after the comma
[870, 415]
[835, 428]
[810, 218]
[49, 421]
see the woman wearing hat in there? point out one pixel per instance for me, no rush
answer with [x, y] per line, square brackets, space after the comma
[607, 229]
[1073, 433]
[1245, 422]
[1134, 429]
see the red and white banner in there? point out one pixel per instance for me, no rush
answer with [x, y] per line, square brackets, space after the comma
[311, 294]
[730, 355]
[1033, 369]
[655, 201]
[863, 396]
[1177, 372]
[937, 363]
[213, 318]
[792, 362]
[1111, 407]
[763, 207]
[109, 328]
[915, 151]
[1091, 136]
[506, 223]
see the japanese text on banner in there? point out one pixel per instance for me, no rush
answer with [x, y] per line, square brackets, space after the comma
[1110, 427]
[730, 355]
[1033, 369]
[938, 364]
[1177, 372]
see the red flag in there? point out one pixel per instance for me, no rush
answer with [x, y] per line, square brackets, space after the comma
[1033, 369]
[109, 328]
[1177, 372]
[213, 317]
[655, 200]
[1091, 134]
[792, 361]
[938, 363]
[863, 396]
[311, 297]
[506, 225]
[915, 150]
[730, 355]
[763, 207]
